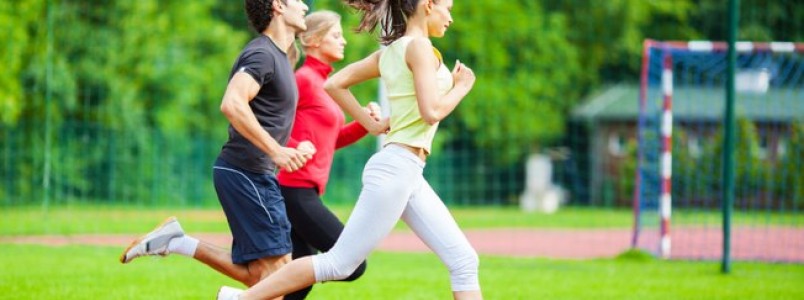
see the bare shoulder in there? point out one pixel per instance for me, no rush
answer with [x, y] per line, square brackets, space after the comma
[420, 50]
[422, 43]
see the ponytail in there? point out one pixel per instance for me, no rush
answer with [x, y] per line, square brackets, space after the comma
[391, 15]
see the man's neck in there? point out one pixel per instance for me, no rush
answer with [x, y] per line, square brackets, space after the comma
[281, 34]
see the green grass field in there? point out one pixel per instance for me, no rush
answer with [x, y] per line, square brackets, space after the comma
[90, 272]
[82, 272]
[117, 219]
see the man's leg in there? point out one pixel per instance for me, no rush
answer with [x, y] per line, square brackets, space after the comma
[255, 212]
[169, 238]
[249, 274]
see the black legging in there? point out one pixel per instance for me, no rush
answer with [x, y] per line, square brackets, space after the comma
[313, 228]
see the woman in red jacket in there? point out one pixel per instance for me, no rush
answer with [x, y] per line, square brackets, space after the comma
[320, 121]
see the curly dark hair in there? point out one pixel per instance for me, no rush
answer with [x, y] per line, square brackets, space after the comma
[260, 13]
[391, 15]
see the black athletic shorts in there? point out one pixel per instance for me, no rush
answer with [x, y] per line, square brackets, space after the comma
[255, 211]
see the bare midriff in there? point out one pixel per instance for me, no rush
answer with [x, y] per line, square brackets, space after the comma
[418, 151]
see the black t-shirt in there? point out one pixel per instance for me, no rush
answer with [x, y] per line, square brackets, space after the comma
[274, 106]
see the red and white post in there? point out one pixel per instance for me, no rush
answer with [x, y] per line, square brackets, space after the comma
[665, 204]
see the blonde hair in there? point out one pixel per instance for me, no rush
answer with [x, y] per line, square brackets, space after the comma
[318, 24]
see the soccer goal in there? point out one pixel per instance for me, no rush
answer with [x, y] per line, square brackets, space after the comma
[680, 137]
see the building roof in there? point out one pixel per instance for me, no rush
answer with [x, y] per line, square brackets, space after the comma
[621, 102]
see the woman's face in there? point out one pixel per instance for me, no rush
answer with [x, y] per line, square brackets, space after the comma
[440, 17]
[332, 44]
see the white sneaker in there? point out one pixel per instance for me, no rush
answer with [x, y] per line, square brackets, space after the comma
[155, 242]
[228, 293]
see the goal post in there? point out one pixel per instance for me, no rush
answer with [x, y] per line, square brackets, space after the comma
[681, 102]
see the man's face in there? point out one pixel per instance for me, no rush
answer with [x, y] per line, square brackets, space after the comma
[293, 13]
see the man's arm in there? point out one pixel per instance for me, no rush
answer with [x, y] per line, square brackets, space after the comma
[240, 91]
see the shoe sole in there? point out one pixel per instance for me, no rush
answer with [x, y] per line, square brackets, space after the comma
[138, 240]
[218, 295]
[220, 290]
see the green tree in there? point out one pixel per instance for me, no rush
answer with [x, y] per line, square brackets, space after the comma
[526, 73]
[751, 169]
[119, 79]
[609, 34]
[759, 20]
[18, 22]
[789, 177]
[686, 169]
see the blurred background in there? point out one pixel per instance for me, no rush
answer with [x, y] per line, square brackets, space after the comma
[116, 104]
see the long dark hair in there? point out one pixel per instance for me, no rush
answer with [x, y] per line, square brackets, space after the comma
[391, 15]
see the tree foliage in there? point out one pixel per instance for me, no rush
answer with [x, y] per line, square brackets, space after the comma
[133, 70]
[164, 63]
[526, 72]
[152, 64]
[105, 82]
[18, 22]
[760, 174]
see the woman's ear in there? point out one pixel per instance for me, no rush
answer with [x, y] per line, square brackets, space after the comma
[315, 41]
[427, 5]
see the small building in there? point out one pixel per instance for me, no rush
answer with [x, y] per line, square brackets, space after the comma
[602, 134]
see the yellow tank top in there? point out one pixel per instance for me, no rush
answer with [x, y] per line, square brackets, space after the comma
[407, 125]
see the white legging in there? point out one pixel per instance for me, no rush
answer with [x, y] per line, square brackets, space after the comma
[393, 187]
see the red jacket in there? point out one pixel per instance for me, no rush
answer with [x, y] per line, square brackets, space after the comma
[319, 120]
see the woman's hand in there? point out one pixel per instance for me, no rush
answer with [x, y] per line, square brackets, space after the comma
[463, 76]
[380, 127]
[306, 147]
[374, 110]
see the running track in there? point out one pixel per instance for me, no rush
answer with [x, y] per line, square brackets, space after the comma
[784, 244]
